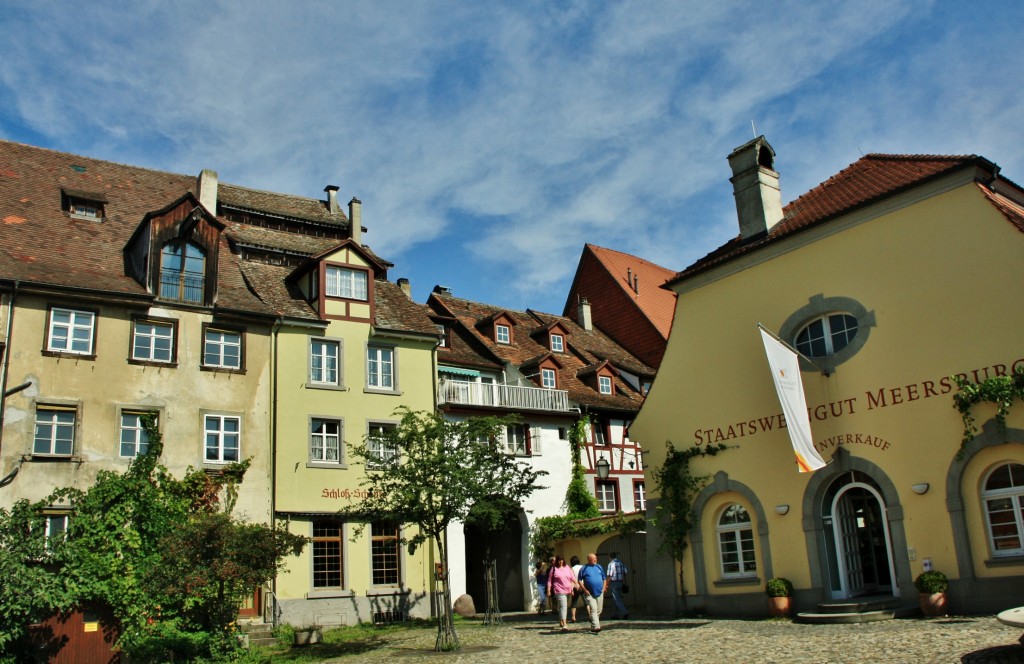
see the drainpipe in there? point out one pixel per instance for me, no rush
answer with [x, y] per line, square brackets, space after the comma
[7, 359]
[273, 453]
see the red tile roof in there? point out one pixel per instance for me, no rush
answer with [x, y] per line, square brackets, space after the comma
[657, 304]
[866, 181]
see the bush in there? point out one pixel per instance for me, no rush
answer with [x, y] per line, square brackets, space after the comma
[931, 582]
[779, 587]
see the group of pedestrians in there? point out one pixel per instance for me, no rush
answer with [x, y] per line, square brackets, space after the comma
[569, 585]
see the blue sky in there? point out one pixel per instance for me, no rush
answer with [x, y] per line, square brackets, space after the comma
[489, 141]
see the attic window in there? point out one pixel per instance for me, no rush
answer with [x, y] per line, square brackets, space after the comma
[557, 343]
[83, 204]
[503, 334]
[605, 384]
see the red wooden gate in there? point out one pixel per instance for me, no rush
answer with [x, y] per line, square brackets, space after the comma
[84, 636]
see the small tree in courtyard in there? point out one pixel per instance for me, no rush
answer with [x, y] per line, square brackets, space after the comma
[430, 472]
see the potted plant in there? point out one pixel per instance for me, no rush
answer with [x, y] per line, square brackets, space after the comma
[780, 596]
[931, 587]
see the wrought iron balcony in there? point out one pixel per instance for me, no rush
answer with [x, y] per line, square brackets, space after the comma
[512, 397]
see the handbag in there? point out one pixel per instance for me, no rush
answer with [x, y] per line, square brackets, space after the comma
[625, 588]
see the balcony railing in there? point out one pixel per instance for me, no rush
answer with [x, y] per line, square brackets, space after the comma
[513, 397]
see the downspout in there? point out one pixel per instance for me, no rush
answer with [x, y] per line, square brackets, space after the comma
[273, 453]
[7, 359]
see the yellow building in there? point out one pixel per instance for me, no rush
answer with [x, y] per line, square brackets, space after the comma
[350, 349]
[895, 274]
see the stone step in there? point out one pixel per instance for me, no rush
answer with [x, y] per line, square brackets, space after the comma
[859, 605]
[263, 641]
[845, 618]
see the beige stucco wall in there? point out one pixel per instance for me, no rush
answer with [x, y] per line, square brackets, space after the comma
[936, 275]
[101, 387]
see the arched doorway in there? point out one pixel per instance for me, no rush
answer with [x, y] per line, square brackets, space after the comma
[502, 544]
[857, 539]
[632, 550]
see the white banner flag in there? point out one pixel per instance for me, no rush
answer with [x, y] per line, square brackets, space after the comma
[786, 372]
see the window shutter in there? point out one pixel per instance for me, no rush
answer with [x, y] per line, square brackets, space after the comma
[535, 439]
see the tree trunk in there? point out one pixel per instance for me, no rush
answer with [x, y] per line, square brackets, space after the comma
[447, 639]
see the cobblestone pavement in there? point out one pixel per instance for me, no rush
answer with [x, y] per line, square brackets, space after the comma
[529, 638]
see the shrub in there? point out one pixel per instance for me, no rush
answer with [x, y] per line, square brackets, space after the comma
[931, 582]
[779, 587]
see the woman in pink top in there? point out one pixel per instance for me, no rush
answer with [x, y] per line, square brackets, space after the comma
[561, 583]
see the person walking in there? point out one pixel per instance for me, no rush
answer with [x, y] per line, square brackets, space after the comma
[577, 594]
[616, 579]
[561, 583]
[594, 581]
[540, 577]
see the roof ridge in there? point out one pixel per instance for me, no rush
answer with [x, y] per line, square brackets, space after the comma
[96, 159]
[272, 193]
[634, 256]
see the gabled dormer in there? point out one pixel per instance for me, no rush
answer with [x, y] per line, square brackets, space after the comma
[600, 377]
[86, 205]
[339, 283]
[544, 370]
[552, 336]
[174, 252]
[499, 327]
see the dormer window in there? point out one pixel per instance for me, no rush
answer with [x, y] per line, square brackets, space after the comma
[83, 205]
[182, 272]
[443, 332]
[503, 334]
[605, 384]
[346, 283]
[548, 378]
[557, 343]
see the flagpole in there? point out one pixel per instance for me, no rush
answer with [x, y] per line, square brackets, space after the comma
[784, 343]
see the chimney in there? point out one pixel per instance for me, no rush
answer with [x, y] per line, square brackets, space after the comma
[755, 185]
[583, 315]
[332, 198]
[355, 220]
[406, 287]
[206, 190]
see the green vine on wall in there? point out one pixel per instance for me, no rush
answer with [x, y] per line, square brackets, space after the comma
[678, 486]
[999, 390]
[550, 529]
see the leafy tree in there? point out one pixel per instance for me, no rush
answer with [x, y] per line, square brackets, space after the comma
[439, 472]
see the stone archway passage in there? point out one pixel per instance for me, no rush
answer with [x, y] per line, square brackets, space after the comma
[632, 550]
[505, 547]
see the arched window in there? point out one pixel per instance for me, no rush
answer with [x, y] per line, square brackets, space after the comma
[182, 272]
[736, 542]
[1001, 496]
[826, 335]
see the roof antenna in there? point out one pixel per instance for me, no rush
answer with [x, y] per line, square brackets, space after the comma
[753, 128]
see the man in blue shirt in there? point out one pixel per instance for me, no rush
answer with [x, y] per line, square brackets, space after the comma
[616, 579]
[594, 582]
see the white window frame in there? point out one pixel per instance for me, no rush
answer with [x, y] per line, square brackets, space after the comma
[502, 334]
[379, 451]
[826, 329]
[513, 443]
[77, 320]
[322, 440]
[604, 384]
[557, 343]
[221, 344]
[548, 379]
[135, 429]
[736, 534]
[320, 377]
[222, 436]
[48, 532]
[153, 336]
[639, 496]
[56, 418]
[381, 373]
[605, 490]
[347, 283]
[1015, 495]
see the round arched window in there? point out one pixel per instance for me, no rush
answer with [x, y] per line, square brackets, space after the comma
[826, 334]
[736, 542]
[1003, 496]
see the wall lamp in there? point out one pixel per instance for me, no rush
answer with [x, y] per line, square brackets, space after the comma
[603, 467]
[781, 509]
[920, 489]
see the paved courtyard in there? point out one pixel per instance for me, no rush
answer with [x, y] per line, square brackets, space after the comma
[528, 638]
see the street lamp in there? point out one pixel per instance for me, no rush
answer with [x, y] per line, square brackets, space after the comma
[602, 468]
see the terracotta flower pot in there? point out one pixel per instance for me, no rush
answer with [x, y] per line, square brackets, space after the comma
[933, 604]
[779, 607]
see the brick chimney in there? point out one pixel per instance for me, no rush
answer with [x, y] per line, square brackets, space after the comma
[755, 185]
[206, 190]
[332, 198]
[355, 220]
